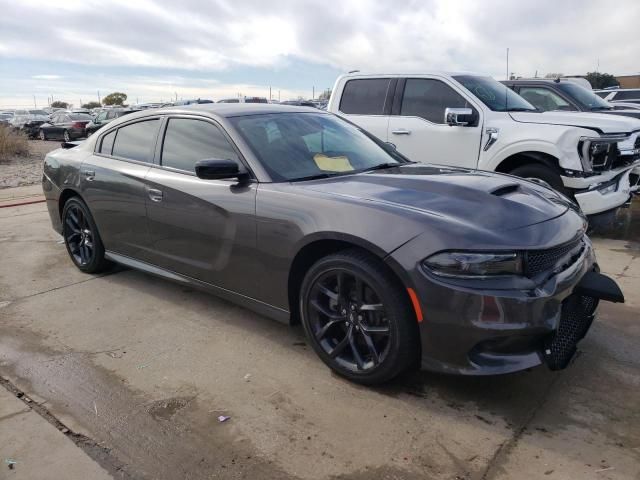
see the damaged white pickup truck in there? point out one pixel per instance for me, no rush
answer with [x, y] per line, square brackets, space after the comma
[474, 121]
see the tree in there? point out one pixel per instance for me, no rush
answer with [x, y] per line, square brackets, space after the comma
[325, 95]
[91, 105]
[59, 104]
[115, 98]
[601, 80]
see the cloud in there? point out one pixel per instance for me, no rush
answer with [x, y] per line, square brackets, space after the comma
[218, 36]
[46, 77]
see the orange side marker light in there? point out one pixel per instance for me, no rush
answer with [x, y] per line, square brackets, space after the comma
[416, 304]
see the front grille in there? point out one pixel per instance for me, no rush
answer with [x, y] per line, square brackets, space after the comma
[539, 261]
[575, 319]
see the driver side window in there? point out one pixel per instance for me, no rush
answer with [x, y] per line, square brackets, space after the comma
[428, 98]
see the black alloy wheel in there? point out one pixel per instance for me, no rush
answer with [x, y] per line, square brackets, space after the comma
[81, 237]
[357, 317]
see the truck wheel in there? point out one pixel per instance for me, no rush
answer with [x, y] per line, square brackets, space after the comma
[540, 174]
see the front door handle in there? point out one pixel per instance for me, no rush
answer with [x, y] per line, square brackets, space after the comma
[155, 195]
[89, 175]
[401, 131]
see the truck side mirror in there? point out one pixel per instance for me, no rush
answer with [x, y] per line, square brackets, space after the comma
[459, 117]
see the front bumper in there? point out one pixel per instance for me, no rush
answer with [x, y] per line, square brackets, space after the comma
[591, 195]
[477, 331]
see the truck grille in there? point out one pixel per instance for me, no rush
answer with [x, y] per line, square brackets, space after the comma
[575, 319]
[539, 261]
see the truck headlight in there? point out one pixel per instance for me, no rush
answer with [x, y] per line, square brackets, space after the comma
[595, 152]
[474, 265]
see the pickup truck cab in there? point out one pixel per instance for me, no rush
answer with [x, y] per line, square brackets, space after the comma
[473, 121]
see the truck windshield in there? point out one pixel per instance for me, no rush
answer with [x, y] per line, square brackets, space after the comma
[585, 98]
[495, 95]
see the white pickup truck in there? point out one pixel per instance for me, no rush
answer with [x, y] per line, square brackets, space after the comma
[474, 121]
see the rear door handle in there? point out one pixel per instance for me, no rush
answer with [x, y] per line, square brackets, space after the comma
[89, 175]
[401, 131]
[155, 195]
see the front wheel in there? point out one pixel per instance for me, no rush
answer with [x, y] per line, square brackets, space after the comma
[541, 174]
[358, 318]
[81, 237]
[43, 136]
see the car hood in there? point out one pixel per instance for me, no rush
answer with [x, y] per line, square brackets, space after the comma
[595, 121]
[483, 199]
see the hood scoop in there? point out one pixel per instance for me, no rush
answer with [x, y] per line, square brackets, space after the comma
[505, 190]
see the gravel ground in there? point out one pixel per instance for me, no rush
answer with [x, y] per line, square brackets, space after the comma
[20, 171]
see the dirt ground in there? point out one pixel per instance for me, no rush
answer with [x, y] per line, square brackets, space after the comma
[21, 171]
[135, 371]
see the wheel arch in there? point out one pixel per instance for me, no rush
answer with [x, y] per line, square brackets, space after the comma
[519, 159]
[326, 243]
[65, 195]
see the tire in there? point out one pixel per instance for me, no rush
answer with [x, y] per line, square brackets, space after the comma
[42, 135]
[337, 328]
[539, 172]
[81, 237]
[65, 136]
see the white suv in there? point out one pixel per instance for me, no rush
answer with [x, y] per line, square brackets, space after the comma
[474, 121]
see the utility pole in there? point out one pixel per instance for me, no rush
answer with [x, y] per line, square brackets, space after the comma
[99, 101]
[269, 92]
[507, 63]
[313, 94]
[176, 96]
[278, 95]
[34, 102]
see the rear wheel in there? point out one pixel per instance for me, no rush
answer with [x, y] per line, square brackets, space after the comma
[540, 174]
[66, 136]
[358, 318]
[43, 136]
[81, 237]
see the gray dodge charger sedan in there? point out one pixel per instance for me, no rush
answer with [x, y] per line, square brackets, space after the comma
[302, 216]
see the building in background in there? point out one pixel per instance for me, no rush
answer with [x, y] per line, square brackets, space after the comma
[629, 81]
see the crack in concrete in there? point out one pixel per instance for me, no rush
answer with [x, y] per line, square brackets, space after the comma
[506, 447]
[99, 454]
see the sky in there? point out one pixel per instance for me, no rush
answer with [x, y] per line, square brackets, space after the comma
[75, 50]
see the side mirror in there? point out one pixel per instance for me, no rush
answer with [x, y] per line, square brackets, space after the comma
[459, 117]
[214, 169]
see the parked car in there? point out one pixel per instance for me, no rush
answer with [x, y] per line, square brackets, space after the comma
[105, 117]
[300, 215]
[244, 100]
[562, 95]
[65, 126]
[299, 103]
[80, 110]
[198, 101]
[29, 121]
[230, 100]
[629, 95]
[474, 121]
[5, 118]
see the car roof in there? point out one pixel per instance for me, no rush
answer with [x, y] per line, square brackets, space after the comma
[226, 110]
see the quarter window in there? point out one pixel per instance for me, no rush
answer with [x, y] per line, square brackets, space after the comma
[544, 99]
[107, 143]
[136, 141]
[428, 99]
[365, 96]
[187, 141]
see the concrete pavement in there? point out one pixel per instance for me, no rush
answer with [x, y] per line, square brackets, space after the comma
[142, 368]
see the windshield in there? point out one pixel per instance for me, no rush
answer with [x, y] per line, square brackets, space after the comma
[295, 146]
[38, 112]
[586, 98]
[80, 116]
[494, 94]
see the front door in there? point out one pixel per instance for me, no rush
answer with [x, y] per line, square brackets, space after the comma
[204, 229]
[419, 130]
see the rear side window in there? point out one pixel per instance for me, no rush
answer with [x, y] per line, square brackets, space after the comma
[187, 141]
[428, 99]
[107, 143]
[365, 96]
[136, 141]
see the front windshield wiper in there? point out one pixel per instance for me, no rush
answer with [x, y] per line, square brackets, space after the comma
[382, 166]
[601, 108]
[520, 109]
[311, 177]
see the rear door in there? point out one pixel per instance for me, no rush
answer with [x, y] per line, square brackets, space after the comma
[114, 187]
[418, 129]
[367, 103]
[204, 229]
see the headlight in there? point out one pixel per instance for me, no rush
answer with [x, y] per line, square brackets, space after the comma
[595, 152]
[474, 265]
